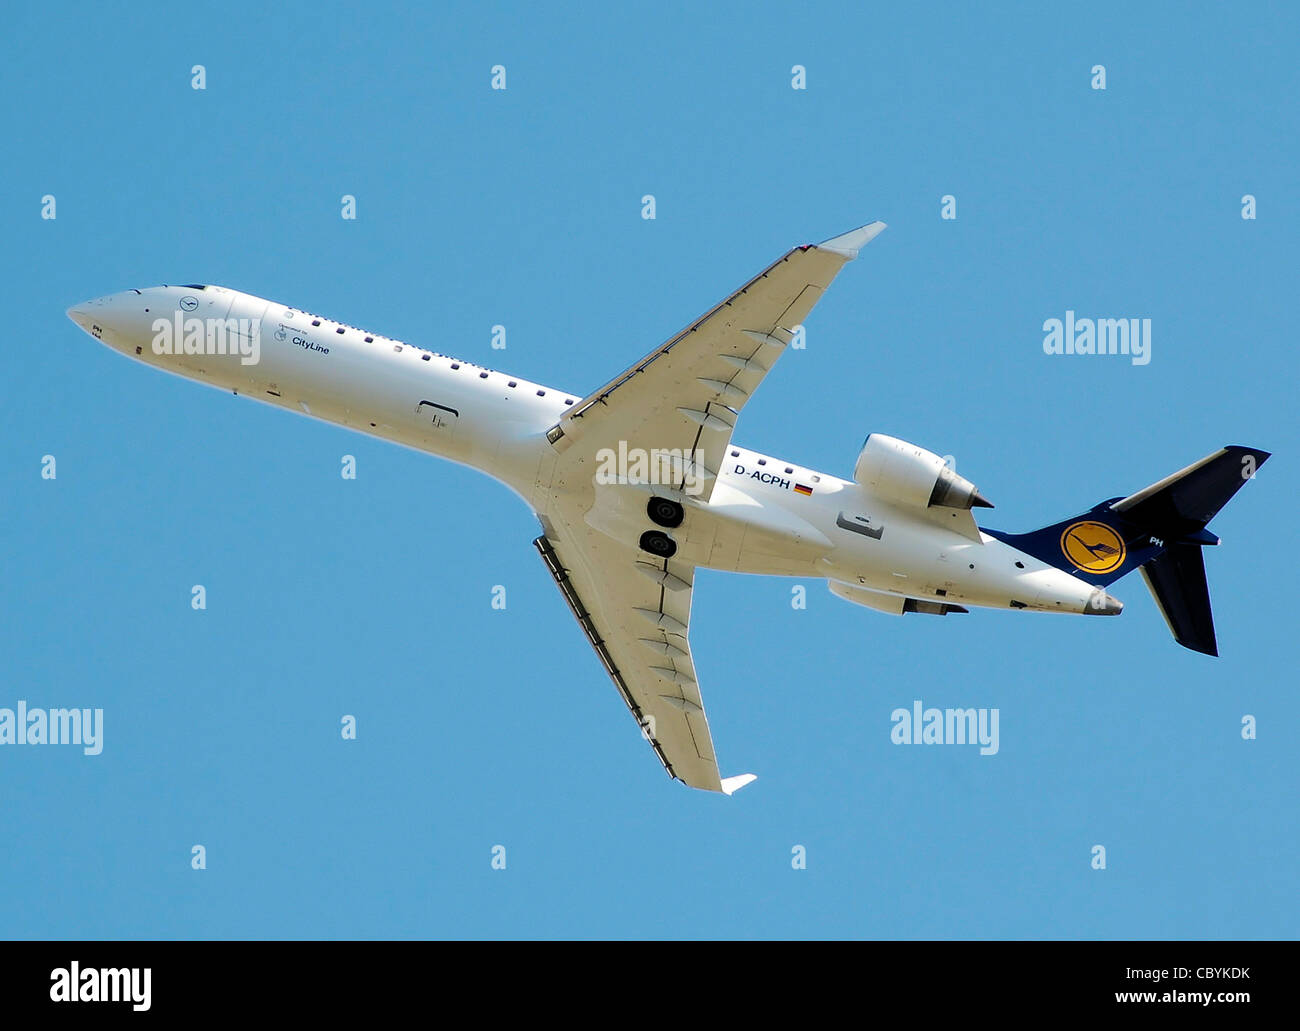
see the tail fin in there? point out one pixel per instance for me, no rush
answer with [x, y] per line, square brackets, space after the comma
[1160, 529]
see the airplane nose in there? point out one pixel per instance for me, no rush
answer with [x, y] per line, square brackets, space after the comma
[80, 314]
[100, 314]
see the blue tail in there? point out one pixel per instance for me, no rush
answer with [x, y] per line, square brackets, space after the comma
[1160, 529]
[1098, 546]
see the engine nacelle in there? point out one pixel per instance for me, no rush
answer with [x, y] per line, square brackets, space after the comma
[910, 475]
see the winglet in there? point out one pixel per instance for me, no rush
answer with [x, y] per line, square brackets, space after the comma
[853, 241]
[730, 785]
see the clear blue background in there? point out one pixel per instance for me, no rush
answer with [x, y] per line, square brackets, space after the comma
[480, 727]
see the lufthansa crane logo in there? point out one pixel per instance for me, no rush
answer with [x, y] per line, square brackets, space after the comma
[1093, 547]
[189, 303]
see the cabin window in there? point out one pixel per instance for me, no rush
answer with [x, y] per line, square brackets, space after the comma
[512, 383]
[315, 322]
[370, 340]
[454, 365]
[482, 375]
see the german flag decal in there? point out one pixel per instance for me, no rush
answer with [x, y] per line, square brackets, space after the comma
[799, 488]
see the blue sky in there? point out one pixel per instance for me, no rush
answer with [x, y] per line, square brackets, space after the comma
[479, 727]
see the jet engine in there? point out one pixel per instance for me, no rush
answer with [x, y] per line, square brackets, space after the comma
[910, 475]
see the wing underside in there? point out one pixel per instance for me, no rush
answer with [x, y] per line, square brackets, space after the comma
[682, 399]
[635, 613]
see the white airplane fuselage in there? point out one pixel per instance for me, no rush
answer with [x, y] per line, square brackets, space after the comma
[765, 515]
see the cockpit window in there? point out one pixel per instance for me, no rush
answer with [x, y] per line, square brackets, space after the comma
[193, 286]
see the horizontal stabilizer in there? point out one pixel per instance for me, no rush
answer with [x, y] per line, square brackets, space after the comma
[1177, 581]
[1181, 504]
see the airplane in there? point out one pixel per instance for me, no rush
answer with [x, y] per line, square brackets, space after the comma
[638, 484]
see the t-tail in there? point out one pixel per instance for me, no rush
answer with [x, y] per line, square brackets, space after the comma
[1160, 530]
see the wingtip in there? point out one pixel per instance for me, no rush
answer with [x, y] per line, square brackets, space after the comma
[853, 241]
[730, 785]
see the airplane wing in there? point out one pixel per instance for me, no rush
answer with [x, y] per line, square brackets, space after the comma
[683, 398]
[636, 611]
[686, 394]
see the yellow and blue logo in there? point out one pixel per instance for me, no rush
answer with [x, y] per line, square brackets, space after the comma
[1093, 547]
